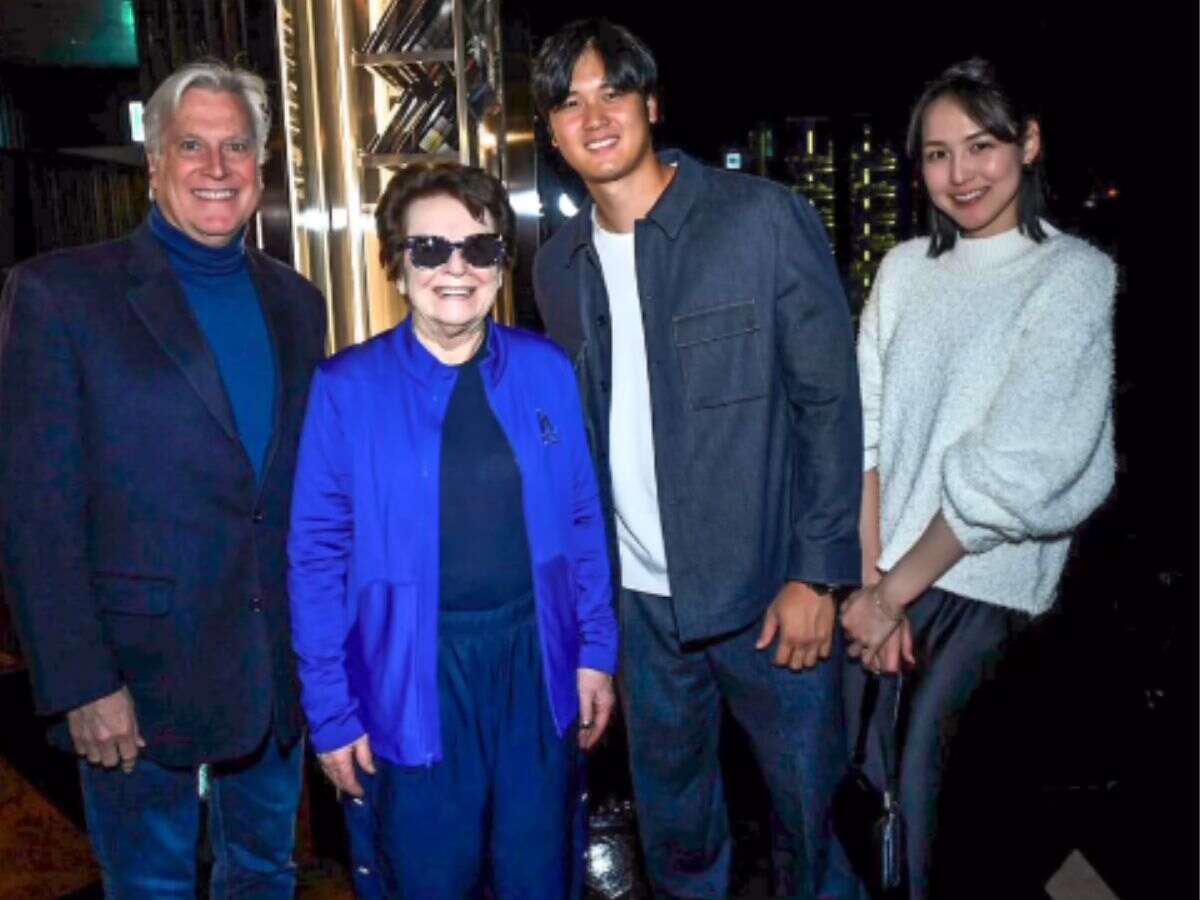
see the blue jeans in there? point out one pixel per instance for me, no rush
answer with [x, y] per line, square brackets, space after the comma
[145, 826]
[672, 695]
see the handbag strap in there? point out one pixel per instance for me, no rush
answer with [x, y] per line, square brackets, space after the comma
[891, 762]
[865, 712]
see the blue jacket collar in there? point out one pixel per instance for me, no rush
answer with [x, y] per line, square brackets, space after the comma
[669, 213]
[428, 369]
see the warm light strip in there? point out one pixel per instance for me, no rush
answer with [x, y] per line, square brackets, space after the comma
[353, 194]
[281, 26]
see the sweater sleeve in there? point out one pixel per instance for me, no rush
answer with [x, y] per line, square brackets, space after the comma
[1042, 459]
[319, 547]
[870, 376]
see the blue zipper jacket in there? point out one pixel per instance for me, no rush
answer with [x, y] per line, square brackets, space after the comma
[363, 547]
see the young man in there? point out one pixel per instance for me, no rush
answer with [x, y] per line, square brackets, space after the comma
[716, 359]
[151, 390]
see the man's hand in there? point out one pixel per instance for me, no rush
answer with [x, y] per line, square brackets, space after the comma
[596, 701]
[338, 765]
[106, 731]
[803, 621]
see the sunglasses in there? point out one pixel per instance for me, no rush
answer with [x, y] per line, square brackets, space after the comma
[429, 251]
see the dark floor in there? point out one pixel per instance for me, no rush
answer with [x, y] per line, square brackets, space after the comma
[1108, 711]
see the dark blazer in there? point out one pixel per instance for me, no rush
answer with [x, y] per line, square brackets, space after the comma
[137, 546]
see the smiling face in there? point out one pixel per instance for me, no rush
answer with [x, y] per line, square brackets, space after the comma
[972, 176]
[206, 178]
[449, 302]
[602, 133]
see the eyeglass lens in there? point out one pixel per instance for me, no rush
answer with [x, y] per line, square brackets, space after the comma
[479, 250]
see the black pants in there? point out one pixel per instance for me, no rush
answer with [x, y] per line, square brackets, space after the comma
[963, 779]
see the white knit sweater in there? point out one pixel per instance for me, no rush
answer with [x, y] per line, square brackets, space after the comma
[987, 383]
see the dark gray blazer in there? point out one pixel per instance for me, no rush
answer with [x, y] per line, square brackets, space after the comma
[137, 547]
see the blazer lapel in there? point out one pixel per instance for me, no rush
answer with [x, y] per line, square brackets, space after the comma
[158, 300]
[274, 303]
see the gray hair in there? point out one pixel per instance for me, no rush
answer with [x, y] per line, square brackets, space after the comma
[211, 75]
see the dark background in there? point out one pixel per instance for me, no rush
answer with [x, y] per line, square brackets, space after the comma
[1114, 667]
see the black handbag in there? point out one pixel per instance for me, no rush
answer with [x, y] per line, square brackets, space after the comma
[866, 819]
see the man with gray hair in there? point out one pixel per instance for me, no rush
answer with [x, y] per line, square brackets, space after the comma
[151, 390]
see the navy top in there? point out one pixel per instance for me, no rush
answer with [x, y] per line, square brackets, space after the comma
[218, 288]
[484, 548]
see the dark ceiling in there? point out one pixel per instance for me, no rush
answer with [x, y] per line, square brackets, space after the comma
[68, 33]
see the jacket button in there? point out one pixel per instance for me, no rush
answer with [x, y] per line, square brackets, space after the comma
[604, 386]
[257, 517]
[601, 320]
[256, 604]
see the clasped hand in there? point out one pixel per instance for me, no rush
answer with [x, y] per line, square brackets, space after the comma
[882, 642]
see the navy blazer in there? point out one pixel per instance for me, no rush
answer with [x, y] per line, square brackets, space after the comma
[138, 548]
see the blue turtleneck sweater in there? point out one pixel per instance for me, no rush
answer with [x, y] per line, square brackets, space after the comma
[217, 285]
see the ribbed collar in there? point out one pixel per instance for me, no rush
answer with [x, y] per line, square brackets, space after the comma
[190, 257]
[991, 253]
[669, 211]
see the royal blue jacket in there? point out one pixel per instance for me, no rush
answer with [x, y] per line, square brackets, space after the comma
[363, 548]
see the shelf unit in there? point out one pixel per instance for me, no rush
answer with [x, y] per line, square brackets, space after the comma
[371, 86]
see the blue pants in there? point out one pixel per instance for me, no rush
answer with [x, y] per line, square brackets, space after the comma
[960, 783]
[672, 696]
[501, 807]
[145, 826]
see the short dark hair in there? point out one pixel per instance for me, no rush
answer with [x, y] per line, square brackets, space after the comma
[475, 189]
[628, 63]
[973, 85]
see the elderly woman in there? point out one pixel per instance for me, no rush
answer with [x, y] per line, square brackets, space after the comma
[450, 585]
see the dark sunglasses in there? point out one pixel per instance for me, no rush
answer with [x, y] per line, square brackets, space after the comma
[429, 251]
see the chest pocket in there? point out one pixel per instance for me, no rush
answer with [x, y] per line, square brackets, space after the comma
[720, 353]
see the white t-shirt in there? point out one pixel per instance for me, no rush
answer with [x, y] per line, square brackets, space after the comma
[630, 428]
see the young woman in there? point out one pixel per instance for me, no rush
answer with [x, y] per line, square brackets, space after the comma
[986, 360]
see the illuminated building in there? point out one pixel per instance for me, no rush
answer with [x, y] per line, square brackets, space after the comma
[812, 168]
[875, 208]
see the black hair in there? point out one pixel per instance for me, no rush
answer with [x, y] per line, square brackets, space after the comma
[973, 85]
[628, 63]
[475, 189]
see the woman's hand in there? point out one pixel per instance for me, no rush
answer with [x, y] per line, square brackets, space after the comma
[596, 700]
[338, 765]
[879, 636]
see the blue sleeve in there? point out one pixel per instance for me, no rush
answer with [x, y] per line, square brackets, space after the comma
[588, 544]
[319, 546]
[821, 380]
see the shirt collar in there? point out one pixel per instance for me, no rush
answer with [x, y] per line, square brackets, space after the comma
[669, 213]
